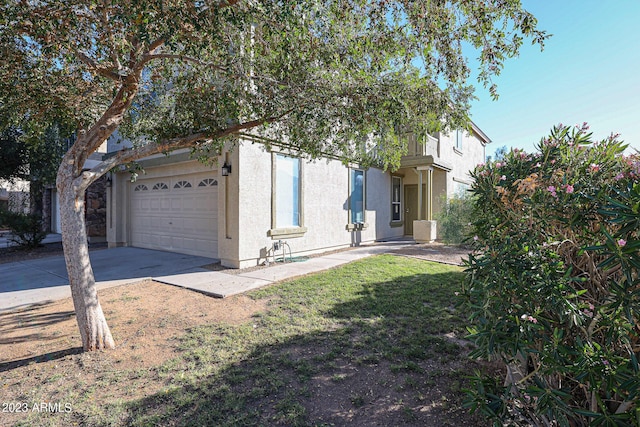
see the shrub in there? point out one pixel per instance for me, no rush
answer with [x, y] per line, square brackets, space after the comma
[454, 219]
[26, 229]
[553, 288]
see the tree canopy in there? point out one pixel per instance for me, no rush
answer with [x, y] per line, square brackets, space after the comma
[330, 73]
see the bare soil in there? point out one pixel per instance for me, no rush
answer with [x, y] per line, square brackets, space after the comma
[146, 319]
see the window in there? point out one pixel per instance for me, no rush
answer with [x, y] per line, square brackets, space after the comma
[396, 207]
[208, 182]
[460, 189]
[287, 189]
[459, 139]
[160, 186]
[356, 196]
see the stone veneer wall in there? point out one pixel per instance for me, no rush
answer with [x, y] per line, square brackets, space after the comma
[96, 210]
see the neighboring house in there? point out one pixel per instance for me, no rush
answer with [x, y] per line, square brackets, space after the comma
[239, 209]
[14, 195]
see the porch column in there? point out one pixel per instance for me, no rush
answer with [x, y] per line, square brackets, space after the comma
[429, 194]
[425, 230]
[419, 172]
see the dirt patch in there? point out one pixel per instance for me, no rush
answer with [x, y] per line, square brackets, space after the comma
[144, 318]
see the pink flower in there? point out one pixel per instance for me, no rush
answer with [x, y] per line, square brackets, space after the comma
[532, 319]
[619, 176]
[552, 190]
[622, 242]
[587, 313]
[503, 178]
[569, 189]
[537, 165]
[498, 164]
[594, 168]
[475, 238]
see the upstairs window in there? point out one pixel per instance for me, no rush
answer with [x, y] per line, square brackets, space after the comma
[459, 140]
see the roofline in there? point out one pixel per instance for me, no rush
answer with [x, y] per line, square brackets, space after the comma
[485, 139]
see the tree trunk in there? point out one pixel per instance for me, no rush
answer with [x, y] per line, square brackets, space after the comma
[93, 326]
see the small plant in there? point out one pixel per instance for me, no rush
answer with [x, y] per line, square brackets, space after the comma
[26, 229]
[553, 287]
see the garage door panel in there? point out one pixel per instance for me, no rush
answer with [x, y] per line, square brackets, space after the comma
[181, 218]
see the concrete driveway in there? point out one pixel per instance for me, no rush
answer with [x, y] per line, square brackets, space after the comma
[40, 280]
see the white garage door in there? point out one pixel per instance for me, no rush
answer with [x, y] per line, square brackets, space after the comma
[177, 214]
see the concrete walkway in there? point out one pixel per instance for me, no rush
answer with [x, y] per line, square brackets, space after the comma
[41, 280]
[223, 284]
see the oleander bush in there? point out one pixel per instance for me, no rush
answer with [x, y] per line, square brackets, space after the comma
[553, 289]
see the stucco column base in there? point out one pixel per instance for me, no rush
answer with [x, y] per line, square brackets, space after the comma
[424, 231]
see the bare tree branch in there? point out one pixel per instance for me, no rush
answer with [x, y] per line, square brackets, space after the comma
[103, 71]
[155, 45]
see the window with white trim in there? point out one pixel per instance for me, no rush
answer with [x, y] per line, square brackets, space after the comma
[287, 191]
[459, 136]
[356, 196]
[396, 200]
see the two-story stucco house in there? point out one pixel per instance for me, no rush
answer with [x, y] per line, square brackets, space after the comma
[236, 210]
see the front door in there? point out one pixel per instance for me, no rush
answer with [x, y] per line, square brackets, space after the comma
[410, 208]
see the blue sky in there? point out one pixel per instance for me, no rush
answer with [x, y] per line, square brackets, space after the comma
[589, 71]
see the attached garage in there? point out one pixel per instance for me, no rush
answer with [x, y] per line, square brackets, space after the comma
[177, 212]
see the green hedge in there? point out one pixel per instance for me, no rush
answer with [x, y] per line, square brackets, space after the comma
[26, 229]
[553, 287]
[454, 219]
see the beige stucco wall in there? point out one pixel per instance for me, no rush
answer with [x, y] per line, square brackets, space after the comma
[244, 204]
[325, 192]
[463, 160]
